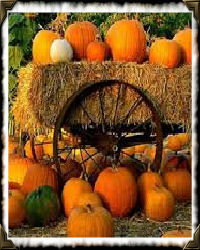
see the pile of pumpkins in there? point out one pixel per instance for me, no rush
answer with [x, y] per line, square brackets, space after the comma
[125, 41]
[34, 195]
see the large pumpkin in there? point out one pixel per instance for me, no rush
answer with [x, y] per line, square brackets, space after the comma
[184, 39]
[17, 168]
[79, 35]
[127, 41]
[42, 206]
[16, 211]
[147, 181]
[96, 51]
[165, 52]
[42, 46]
[90, 221]
[117, 189]
[177, 162]
[39, 175]
[179, 183]
[74, 188]
[159, 204]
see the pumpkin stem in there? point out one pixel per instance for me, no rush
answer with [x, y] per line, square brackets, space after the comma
[89, 208]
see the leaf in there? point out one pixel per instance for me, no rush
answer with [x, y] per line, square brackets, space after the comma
[15, 56]
[15, 19]
[12, 82]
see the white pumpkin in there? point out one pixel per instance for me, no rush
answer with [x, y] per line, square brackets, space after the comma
[61, 51]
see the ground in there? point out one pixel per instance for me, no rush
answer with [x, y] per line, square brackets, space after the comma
[136, 225]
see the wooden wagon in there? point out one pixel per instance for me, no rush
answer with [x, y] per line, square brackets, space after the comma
[109, 105]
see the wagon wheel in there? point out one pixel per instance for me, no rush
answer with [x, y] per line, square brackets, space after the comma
[104, 115]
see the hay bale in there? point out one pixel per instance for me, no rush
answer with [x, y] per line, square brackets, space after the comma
[50, 86]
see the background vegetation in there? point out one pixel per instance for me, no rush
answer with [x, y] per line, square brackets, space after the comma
[22, 30]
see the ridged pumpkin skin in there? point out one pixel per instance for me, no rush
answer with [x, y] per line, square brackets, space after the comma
[184, 39]
[79, 35]
[16, 210]
[42, 206]
[159, 204]
[179, 183]
[166, 53]
[89, 198]
[39, 175]
[147, 181]
[17, 168]
[74, 188]
[177, 233]
[96, 51]
[118, 190]
[127, 41]
[38, 151]
[89, 221]
[42, 46]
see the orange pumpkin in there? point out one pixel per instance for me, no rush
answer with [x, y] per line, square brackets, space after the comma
[73, 189]
[16, 210]
[159, 204]
[42, 46]
[177, 233]
[17, 168]
[79, 35]
[184, 39]
[96, 51]
[38, 150]
[174, 143]
[117, 189]
[89, 198]
[127, 41]
[179, 183]
[39, 175]
[147, 181]
[184, 138]
[165, 52]
[90, 221]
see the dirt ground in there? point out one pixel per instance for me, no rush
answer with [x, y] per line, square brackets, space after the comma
[136, 225]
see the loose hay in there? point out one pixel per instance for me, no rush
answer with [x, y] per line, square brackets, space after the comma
[44, 90]
[135, 226]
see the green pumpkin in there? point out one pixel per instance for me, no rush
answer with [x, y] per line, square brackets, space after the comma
[42, 206]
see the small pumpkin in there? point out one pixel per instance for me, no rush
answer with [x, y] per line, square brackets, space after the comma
[184, 39]
[179, 183]
[147, 181]
[127, 41]
[16, 210]
[90, 221]
[184, 138]
[73, 189]
[117, 189]
[96, 51]
[42, 46]
[79, 35]
[177, 233]
[39, 175]
[159, 203]
[165, 52]
[61, 51]
[89, 198]
[42, 206]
